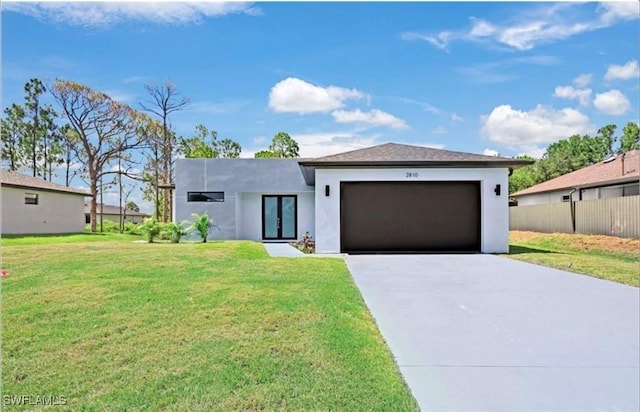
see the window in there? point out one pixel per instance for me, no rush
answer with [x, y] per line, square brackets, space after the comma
[205, 196]
[30, 198]
[631, 190]
[87, 219]
[566, 198]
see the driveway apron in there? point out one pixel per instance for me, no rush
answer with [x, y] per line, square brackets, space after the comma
[486, 333]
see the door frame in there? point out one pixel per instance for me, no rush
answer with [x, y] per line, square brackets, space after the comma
[279, 211]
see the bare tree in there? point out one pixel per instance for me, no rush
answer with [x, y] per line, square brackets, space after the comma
[104, 129]
[163, 101]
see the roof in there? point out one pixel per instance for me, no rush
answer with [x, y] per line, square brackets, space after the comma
[624, 168]
[111, 210]
[402, 155]
[394, 154]
[13, 179]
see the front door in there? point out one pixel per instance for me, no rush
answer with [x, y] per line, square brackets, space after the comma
[279, 217]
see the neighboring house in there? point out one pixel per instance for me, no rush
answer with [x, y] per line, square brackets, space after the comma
[112, 213]
[34, 206]
[615, 177]
[390, 198]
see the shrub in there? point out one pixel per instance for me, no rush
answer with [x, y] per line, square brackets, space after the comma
[151, 228]
[132, 228]
[175, 231]
[306, 244]
[202, 224]
[108, 226]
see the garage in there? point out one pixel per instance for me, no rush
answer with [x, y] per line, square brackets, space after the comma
[410, 217]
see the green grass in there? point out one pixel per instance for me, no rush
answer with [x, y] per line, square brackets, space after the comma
[18, 240]
[193, 327]
[603, 257]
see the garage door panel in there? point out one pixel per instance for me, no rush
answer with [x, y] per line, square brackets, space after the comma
[399, 217]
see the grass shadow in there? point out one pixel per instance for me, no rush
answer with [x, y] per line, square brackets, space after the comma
[517, 250]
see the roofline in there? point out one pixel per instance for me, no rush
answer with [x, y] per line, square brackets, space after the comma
[591, 185]
[70, 192]
[420, 163]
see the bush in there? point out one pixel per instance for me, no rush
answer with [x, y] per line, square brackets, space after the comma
[202, 224]
[108, 226]
[132, 228]
[306, 244]
[174, 231]
[151, 228]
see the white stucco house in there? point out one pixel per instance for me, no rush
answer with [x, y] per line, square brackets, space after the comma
[617, 176]
[113, 213]
[34, 206]
[390, 198]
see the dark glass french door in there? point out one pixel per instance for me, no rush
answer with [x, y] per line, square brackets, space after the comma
[279, 217]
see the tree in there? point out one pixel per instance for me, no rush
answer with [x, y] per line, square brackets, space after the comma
[523, 177]
[282, 146]
[606, 139]
[131, 205]
[12, 129]
[630, 139]
[164, 100]
[69, 141]
[41, 141]
[229, 149]
[205, 145]
[104, 129]
[202, 224]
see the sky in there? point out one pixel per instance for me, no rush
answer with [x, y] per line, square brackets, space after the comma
[507, 78]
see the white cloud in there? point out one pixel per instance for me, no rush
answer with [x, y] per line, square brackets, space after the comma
[612, 102]
[439, 130]
[428, 107]
[324, 144]
[374, 117]
[534, 151]
[105, 14]
[630, 70]
[537, 25]
[569, 92]
[582, 80]
[502, 70]
[456, 118]
[541, 125]
[612, 11]
[490, 152]
[259, 140]
[294, 95]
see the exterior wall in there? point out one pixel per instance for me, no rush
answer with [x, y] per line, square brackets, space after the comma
[243, 182]
[55, 212]
[116, 217]
[544, 198]
[494, 213]
[591, 193]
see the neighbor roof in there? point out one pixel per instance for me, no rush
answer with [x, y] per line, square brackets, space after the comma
[624, 168]
[111, 210]
[394, 154]
[13, 179]
[402, 155]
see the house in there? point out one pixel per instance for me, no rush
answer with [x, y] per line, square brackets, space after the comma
[34, 206]
[616, 176]
[112, 213]
[390, 198]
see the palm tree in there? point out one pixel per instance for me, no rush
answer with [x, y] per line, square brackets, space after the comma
[202, 224]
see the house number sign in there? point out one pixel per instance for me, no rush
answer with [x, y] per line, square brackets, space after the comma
[409, 175]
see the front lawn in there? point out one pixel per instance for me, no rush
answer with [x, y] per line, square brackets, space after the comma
[216, 326]
[604, 257]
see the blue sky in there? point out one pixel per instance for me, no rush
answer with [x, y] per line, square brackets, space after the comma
[477, 77]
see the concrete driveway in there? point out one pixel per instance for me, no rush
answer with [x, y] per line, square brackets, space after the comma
[485, 333]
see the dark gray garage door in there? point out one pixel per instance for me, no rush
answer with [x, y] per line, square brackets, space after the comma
[397, 217]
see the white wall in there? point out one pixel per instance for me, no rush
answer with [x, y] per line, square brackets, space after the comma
[55, 212]
[249, 214]
[546, 197]
[494, 213]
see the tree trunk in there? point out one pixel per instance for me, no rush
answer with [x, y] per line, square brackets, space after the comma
[93, 188]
